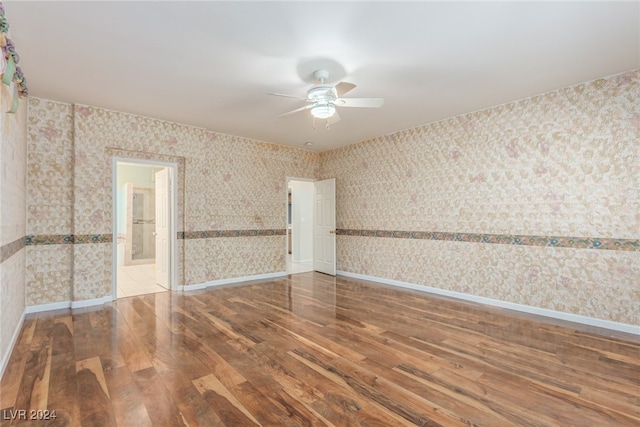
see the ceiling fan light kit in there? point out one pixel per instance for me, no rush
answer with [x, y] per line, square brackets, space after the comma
[324, 99]
[323, 111]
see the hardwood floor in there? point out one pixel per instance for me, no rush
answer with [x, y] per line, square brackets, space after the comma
[314, 350]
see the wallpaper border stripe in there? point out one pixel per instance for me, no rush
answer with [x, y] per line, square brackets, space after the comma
[231, 233]
[67, 239]
[70, 239]
[599, 243]
[629, 245]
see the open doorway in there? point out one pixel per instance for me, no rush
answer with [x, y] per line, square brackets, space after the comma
[299, 226]
[142, 212]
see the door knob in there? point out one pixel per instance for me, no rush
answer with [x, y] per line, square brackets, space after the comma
[332, 232]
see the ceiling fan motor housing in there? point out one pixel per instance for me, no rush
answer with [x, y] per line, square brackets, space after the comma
[321, 93]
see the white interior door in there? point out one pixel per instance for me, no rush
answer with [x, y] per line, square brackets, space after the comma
[324, 239]
[162, 227]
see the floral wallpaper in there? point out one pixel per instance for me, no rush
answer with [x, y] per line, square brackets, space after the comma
[527, 175]
[225, 184]
[13, 152]
[49, 272]
[213, 258]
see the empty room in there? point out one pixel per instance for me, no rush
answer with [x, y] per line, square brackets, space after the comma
[326, 213]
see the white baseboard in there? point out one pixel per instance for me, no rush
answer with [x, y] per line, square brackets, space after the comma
[592, 321]
[12, 344]
[187, 288]
[46, 307]
[68, 304]
[221, 282]
[91, 302]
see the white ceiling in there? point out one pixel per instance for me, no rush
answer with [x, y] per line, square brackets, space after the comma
[211, 64]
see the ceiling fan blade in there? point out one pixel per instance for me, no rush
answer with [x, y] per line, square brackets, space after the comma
[333, 119]
[306, 107]
[359, 102]
[286, 96]
[341, 88]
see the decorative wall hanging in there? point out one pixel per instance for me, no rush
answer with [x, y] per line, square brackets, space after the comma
[9, 69]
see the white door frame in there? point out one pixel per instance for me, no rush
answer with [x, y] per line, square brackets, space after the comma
[173, 243]
[162, 231]
[286, 201]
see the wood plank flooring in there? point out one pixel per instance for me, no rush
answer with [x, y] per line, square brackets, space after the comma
[313, 350]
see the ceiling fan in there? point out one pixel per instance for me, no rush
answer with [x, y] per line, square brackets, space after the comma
[323, 99]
